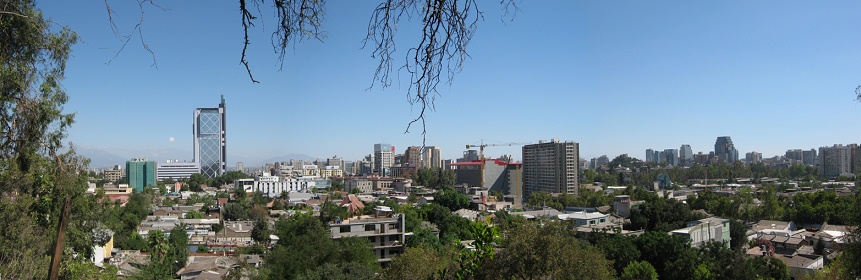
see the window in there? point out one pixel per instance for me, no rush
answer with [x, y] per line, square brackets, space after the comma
[370, 227]
[345, 229]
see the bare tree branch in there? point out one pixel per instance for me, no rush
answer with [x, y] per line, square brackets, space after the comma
[448, 27]
[135, 29]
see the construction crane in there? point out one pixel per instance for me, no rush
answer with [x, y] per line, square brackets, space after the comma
[482, 145]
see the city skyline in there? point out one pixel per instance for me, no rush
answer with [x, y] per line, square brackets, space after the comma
[624, 76]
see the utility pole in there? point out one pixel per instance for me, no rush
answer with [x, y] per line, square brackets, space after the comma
[54, 272]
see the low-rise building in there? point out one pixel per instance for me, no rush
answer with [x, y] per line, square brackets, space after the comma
[705, 230]
[386, 233]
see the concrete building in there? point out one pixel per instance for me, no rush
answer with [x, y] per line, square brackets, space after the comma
[835, 161]
[686, 155]
[210, 140]
[273, 186]
[240, 166]
[725, 150]
[493, 175]
[386, 232]
[432, 157]
[671, 156]
[384, 158]
[173, 169]
[753, 157]
[115, 174]
[705, 230]
[794, 155]
[469, 155]
[336, 162]
[141, 173]
[810, 157]
[650, 156]
[551, 166]
[412, 156]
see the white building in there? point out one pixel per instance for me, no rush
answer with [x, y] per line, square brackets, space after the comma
[551, 166]
[387, 234]
[174, 169]
[705, 230]
[273, 186]
[835, 161]
[432, 157]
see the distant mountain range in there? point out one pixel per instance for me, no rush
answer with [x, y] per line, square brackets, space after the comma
[103, 159]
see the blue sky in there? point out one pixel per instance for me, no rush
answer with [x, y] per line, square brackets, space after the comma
[615, 76]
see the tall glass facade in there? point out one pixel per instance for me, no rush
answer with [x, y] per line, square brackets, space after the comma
[210, 148]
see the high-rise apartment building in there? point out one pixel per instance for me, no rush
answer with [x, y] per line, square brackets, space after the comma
[551, 166]
[671, 156]
[210, 145]
[835, 161]
[141, 173]
[753, 157]
[725, 150]
[809, 157]
[794, 155]
[336, 161]
[240, 166]
[432, 157]
[650, 156]
[686, 155]
[412, 156]
[384, 158]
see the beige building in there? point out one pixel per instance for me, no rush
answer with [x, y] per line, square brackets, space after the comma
[386, 232]
[551, 166]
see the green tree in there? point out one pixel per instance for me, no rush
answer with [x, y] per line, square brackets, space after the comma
[261, 232]
[546, 252]
[639, 271]
[420, 263]
[451, 199]
[305, 246]
[178, 253]
[193, 214]
[196, 181]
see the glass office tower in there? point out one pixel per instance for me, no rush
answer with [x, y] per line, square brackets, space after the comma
[210, 147]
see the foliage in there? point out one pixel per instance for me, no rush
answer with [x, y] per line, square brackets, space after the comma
[178, 252]
[620, 249]
[451, 199]
[661, 215]
[639, 270]
[236, 211]
[420, 263]
[305, 246]
[344, 271]
[585, 198]
[193, 214]
[434, 178]
[546, 252]
[196, 181]
[261, 232]
[469, 260]
[86, 270]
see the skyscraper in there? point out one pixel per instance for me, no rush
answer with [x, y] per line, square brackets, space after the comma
[686, 155]
[141, 173]
[412, 156]
[753, 157]
[835, 161]
[210, 145]
[551, 167]
[384, 158]
[650, 156]
[671, 156]
[432, 157]
[725, 150]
